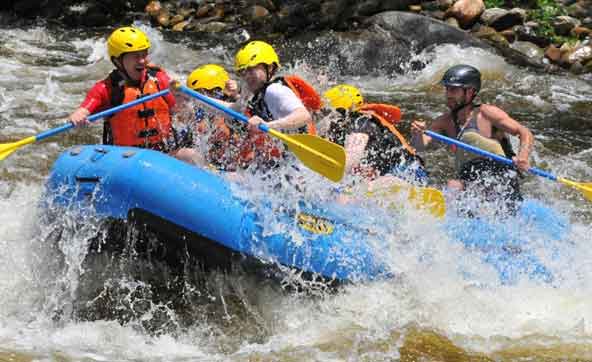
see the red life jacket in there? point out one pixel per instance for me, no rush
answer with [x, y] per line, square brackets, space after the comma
[145, 125]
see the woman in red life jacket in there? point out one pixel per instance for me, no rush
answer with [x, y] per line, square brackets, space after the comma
[147, 125]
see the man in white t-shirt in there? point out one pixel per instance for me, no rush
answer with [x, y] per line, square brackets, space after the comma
[273, 103]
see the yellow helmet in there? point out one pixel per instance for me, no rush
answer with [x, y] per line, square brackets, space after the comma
[254, 53]
[208, 77]
[125, 40]
[344, 96]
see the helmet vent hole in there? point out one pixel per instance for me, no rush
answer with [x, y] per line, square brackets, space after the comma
[194, 82]
[129, 44]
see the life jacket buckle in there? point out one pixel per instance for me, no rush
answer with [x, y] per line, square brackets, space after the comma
[146, 113]
[145, 133]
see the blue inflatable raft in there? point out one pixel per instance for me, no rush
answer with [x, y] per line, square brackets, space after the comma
[193, 211]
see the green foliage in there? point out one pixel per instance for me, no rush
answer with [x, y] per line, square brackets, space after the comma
[543, 13]
[546, 10]
[494, 3]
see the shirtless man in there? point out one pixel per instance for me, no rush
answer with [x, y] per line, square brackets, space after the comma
[481, 125]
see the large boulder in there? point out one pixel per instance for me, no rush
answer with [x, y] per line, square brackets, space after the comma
[422, 31]
[387, 42]
[295, 15]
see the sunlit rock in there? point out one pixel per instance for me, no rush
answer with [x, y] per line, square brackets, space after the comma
[553, 53]
[582, 54]
[564, 24]
[180, 26]
[153, 8]
[453, 22]
[163, 18]
[176, 19]
[204, 10]
[467, 12]
[528, 49]
[509, 35]
[185, 11]
[501, 19]
[526, 32]
[581, 32]
[257, 12]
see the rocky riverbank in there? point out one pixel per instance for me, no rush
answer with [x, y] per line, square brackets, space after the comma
[552, 35]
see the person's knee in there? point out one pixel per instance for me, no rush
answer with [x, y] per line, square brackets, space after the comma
[456, 185]
[189, 155]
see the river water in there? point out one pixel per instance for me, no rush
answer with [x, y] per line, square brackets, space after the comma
[77, 312]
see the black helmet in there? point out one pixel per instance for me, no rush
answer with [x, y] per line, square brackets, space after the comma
[464, 76]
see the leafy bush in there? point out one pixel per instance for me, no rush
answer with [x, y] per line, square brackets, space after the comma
[494, 3]
[544, 13]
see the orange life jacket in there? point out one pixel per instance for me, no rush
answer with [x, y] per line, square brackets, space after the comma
[147, 124]
[307, 94]
[223, 146]
[388, 116]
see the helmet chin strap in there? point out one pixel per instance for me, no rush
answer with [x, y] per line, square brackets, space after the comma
[122, 70]
[269, 71]
[454, 112]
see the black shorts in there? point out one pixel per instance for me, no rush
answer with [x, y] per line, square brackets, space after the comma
[493, 179]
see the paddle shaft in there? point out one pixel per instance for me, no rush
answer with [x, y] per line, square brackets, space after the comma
[103, 114]
[8, 148]
[231, 112]
[481, 152]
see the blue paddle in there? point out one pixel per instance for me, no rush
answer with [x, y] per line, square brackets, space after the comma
[8, 148]
[585, 188]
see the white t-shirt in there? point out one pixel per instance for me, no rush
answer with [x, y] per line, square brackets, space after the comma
[281, 100]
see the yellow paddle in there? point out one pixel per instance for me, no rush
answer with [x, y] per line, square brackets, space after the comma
[7, 148]
[422, 198]
[585, 188]
[316, 153]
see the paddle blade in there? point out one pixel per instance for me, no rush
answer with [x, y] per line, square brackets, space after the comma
[316, 153]
[7, 148]
[429, 199]
[422, 198]
[585, 188]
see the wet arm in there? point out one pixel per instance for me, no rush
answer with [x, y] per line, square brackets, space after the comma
[355, 147]
[97, 98]
[419, 140]
[296, 119]
[503, 121]
[164, 82]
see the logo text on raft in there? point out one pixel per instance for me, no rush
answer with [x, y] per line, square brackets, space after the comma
[314, 224]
